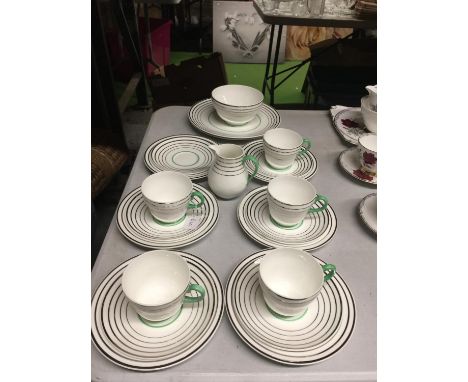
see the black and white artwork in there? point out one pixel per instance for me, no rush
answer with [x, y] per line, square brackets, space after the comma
[240, 34]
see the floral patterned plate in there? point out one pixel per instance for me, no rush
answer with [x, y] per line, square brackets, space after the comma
[368, 211]
[349, 124]
[349, 160]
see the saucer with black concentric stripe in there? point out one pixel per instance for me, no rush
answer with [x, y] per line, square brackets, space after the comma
[188, 154]
[304, 166]
[317, 335]
[124, 339]
[136, 223]
[204, 118]
[254, 217]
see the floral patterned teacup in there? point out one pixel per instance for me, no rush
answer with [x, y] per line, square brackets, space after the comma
[367, 145]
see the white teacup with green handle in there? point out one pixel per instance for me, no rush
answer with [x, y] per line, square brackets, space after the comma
[290, 199]
[156, 283]
[168, 195]
[282, 146]
[291, 279]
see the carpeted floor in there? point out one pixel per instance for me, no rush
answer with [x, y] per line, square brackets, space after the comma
[252, 75]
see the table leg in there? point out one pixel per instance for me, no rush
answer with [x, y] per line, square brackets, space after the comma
[270, 45]
[127, 19]
[275, 63]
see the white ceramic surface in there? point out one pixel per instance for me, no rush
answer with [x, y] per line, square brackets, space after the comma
[368, 211]
[155, 284]
[367, 145]
[349, 124]
[281, 147]
[236, 104]
[203, 117]
[185, 153]
[227, 177]
[167, 195]
[369, 115]
[318, 334]
[290, 279]
[304, 166]
[289, 199]
[136, 223]
[316, 229]
[124, 339]
[349, 161]
[372, 90]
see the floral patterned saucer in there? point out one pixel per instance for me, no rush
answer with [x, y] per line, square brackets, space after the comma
[348, 122]
[368, 211]
[349, 160]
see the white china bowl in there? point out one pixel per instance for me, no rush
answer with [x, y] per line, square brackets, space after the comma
[167, 195]
[369, 115]
[290, 280]
[155, 284]
[281, 147]
[236, 104]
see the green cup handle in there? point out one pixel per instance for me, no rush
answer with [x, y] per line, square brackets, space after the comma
[324, 203]
[254, 161]
[202, 200]
[329, 270]
[307, 146]
[197, 288]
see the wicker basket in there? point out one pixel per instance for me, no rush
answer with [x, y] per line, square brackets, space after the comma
[106, 161]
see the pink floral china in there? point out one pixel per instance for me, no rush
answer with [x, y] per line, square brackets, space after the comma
[349, 123]
[350, 162]
[367, 145]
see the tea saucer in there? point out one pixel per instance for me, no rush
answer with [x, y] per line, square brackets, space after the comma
[368, 211]
[304, 166]
[350, 124]
[320, 333]
[124, 339]
[349, 160]
[254, 218]
[203, 117]
[188, 154]
[136, 223]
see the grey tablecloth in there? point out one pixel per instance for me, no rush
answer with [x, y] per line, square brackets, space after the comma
[352, 250]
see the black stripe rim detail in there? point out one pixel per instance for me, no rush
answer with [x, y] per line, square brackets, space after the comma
[253, 217]
[154, 158]
[251, 343]
[306, 165]
[204, 108]
[133, 217]
[218, 306]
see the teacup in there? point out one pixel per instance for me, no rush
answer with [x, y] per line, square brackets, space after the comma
[168, 195]
[368, 115]
[291, 279]
[290, 199]
[156, 282]
[282, 146]
[367, 145]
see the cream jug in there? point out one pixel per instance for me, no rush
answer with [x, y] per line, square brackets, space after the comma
[228, 177]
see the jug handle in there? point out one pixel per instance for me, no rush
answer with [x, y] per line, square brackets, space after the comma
[254, 161]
